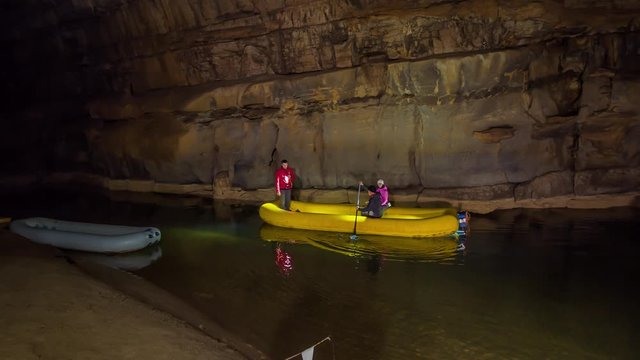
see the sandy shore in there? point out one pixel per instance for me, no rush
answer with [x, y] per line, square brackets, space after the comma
[51, 308]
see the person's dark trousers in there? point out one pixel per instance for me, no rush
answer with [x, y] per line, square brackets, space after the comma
[285, 198]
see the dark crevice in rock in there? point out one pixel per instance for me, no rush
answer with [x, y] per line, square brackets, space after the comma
[187, 118]
[554, 127]
[413, 164]
[366, 100]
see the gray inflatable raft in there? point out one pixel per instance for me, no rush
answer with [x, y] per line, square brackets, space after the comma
[81, 236]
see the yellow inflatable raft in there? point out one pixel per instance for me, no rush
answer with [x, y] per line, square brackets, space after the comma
[406, 222]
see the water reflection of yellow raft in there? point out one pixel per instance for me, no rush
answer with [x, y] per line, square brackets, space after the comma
[392, 248]
[406, 222]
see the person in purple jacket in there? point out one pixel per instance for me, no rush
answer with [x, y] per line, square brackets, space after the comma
[384, 193]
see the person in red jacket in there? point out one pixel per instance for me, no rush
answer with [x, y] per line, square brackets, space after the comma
[284, 183]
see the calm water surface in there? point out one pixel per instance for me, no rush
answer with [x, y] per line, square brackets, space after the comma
[529, 284]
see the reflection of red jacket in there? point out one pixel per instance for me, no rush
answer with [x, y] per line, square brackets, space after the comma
[284, 178]
[283, 260]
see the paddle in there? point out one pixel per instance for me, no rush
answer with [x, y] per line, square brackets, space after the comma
[355, 223]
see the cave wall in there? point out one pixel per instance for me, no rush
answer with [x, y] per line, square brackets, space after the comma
[459, 99]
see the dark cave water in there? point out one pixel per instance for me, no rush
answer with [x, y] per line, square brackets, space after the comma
[529, 284]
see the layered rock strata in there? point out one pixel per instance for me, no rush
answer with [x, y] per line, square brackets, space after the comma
[464, 100]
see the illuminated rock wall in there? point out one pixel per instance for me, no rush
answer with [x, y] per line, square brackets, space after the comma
[455, 99]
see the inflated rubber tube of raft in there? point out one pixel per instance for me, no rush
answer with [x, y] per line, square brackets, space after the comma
[406, 222]
[101, 238]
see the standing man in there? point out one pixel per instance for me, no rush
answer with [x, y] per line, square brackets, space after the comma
[284, 183]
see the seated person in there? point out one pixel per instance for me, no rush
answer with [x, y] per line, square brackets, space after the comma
[384, 194]
[374, 208]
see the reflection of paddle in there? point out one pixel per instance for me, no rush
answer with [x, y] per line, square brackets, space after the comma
[355, 223]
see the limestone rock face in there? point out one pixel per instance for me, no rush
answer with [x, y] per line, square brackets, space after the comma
[472, 99]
